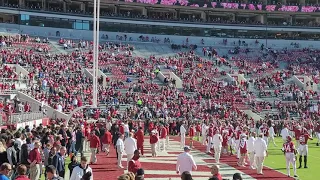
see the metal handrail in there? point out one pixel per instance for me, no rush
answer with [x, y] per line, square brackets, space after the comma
[24, 117]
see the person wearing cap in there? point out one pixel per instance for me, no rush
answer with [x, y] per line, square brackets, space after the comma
[153, 142]
[185, 161]
[260, 150]
[140, 139]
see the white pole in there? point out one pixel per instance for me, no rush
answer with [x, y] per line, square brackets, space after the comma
[94, 95]
[97, 50]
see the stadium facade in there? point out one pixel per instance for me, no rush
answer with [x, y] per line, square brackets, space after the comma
[245, 20]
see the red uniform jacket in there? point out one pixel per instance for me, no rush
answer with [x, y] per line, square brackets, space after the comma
[140, 137]
[134, 165]
[107, 138]
[191, 131]
[210, 132]
[121, 129]
[198, 128]
[163, 133]
[153, 139]
[94, 141]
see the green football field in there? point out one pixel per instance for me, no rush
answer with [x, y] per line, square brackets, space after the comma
[276, 160]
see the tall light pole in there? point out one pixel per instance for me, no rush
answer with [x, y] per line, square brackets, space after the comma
[96, 23]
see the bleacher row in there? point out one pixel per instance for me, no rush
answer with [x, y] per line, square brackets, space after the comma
[57, 79]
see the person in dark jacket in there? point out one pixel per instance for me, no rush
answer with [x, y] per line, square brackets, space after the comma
[79, 142]
[73, 164]
[24, 154]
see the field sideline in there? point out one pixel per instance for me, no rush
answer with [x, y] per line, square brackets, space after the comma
[276, 160]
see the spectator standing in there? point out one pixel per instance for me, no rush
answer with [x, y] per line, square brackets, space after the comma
[74, 163]
[5, 170]
[94, 146]
[22, 172]
[80, 170]
[35, 161]
[130, 145]
[106, 141]
[3, 154]
[260, 149]
[120, 149]
[59, 161]
[185, 161]
[250, 145]
[80, 139]
[215, 172]
[182, 135]
[153, 142]
[134, 163]
[140, 139]
[51, 173]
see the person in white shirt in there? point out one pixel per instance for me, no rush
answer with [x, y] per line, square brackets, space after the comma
[79, 171]
[120, 149]
[284, 133]
[260, 150]
[130, 145]
[217, 145]
[126, 129]
[182, 135]
[271, 135]
[204, 129]
[250, 146]
[185, 162]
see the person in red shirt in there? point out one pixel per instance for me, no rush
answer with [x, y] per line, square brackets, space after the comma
[94, 146]
[191, 135]
[35, 161]
[318, 133]
[198, 131]
[290, 153]
[140, 139]
[134, 163]
[153, 141]
[215, 172]
[106, 141]
[303, 147]
[22, 171]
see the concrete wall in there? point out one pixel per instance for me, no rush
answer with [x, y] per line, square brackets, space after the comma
[179, 83]
[252, 115]
[51, 113]
[301, 81]
[88, 73]
[209, 41]
[161, 76]
[19, 69]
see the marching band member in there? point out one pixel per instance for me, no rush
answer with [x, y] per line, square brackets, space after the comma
[204, 129]
[290, 153]
[210, 136]
[265, 130]
[225, 139]
[191, 134]
[260, 150]
[250, 145]
[217, 144]
[182, 135]
[303, 147]
[271, 135]
[243, 150]
[163, 136]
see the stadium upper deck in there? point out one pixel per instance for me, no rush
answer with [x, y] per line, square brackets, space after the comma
[272, 20]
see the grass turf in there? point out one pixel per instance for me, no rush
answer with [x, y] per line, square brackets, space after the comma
[276, 160]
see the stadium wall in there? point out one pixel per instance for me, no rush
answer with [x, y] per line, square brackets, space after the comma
[113, 36]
